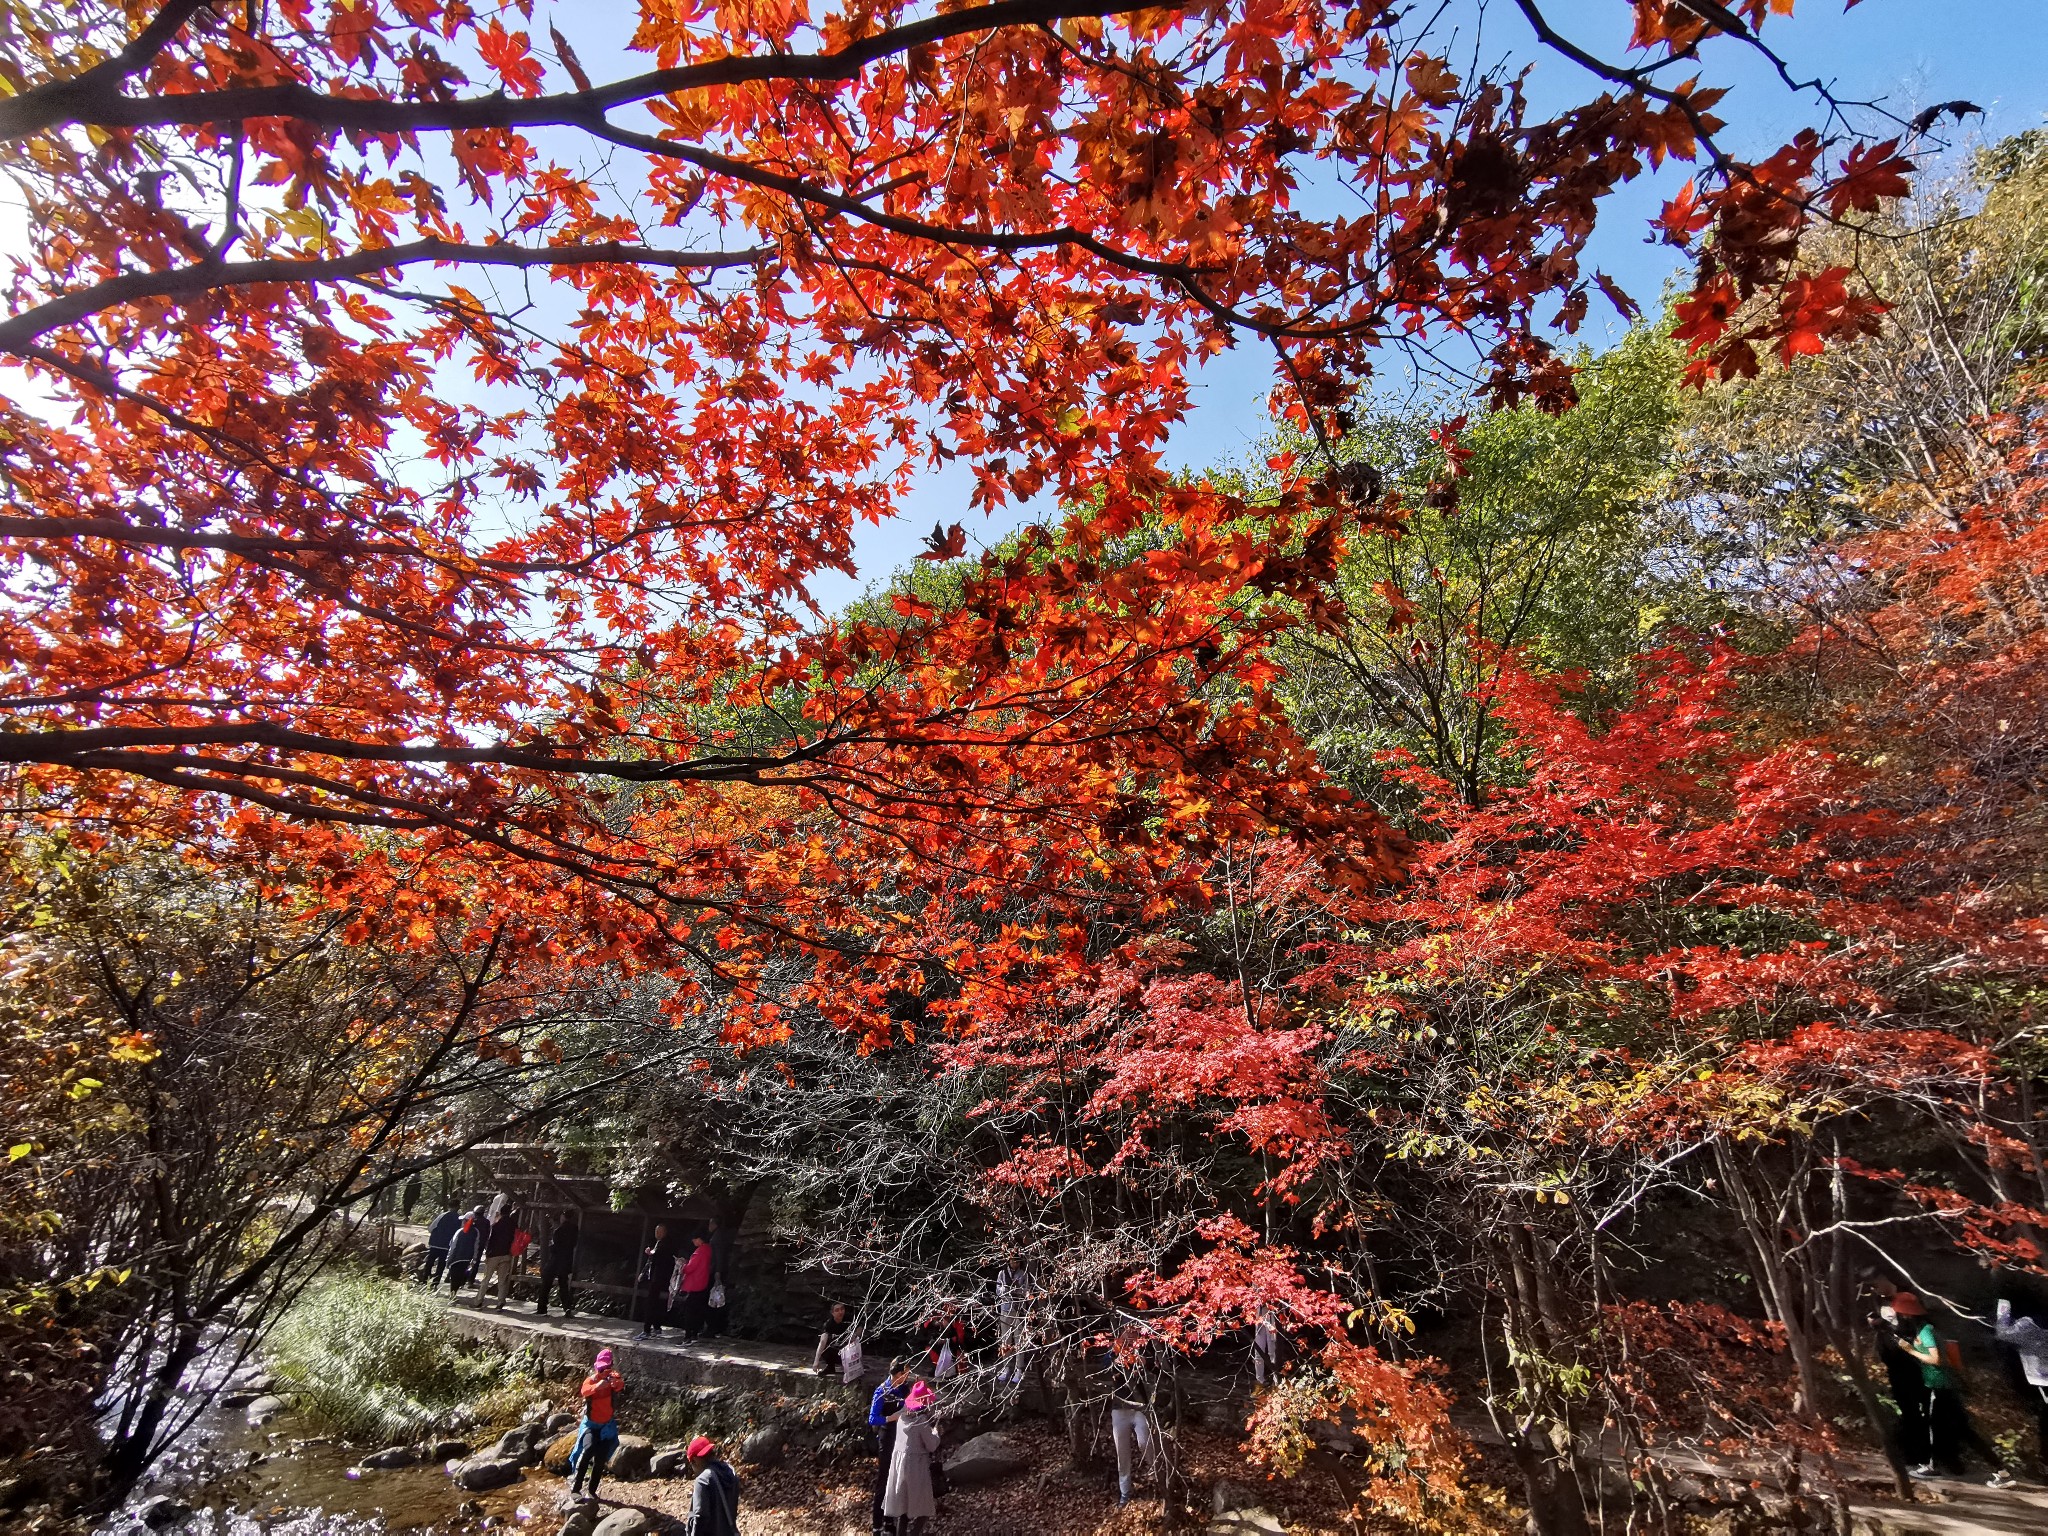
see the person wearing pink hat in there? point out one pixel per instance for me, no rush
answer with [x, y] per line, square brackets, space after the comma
[714, 1491]
[908, 1498]
[598, 1436]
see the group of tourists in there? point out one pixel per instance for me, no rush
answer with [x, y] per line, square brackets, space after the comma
[487, 1244]
[1924, 1371]
[677, 1284]
[682, 1285]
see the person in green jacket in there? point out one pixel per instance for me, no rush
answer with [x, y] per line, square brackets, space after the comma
[1948, 1416]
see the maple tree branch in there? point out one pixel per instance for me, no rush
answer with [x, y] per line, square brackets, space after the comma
[100, 103]
[138, 743]
[57, 99]
[99, 378]
[1180, 274]
[20, 330]
[1637, 79]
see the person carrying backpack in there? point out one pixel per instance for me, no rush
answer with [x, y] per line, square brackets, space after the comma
[1949, 1429]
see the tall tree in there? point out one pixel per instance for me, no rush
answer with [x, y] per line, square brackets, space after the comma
[1520, 532]
[203, 1077]
[325, 519]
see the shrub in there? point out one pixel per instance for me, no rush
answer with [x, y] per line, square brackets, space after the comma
[370, 1358]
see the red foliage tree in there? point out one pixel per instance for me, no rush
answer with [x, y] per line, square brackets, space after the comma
[318, 525]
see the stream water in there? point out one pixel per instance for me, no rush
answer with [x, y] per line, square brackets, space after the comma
[284, 1479]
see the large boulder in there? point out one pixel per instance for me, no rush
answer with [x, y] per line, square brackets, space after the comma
[557, 1422]
[393, 1456]
[481, 1472]
[763, 1448]
[264, 1409]
[845, 1445]
[555, 1459]
[625, 1522]
[444, 1450]
[986, 1458]
[631, 1458]
[1238, 1513]
[672, 1462]
[581, 1520]
[513, 1445]
[161, 1511]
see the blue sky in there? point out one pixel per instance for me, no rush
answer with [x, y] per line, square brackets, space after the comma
[1903, 53]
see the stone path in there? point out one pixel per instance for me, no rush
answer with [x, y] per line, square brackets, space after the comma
[664, 1357]
[1964, 1509]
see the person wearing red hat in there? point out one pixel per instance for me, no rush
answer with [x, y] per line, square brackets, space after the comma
[1950, 1431]
[714, 1491]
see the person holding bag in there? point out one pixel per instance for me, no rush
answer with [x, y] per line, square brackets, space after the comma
[696, 1289]
[910, 1499]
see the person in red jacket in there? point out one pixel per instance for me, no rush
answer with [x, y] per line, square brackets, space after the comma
[598, 1436]
[696, 1288]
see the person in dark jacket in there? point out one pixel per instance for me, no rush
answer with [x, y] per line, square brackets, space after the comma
[465, 1248]
[657, 1269]
[1131, 1365]
[884, 1408]
[714, 1492]
[1898, 1319]
[439, 1236]
[841, 1336]
[557, 1260]
[498, 1257]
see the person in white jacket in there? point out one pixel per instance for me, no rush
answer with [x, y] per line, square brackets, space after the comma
[2031, 1340]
